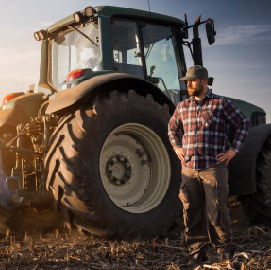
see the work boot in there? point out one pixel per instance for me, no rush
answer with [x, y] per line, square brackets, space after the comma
[200, 257]
[226, 257]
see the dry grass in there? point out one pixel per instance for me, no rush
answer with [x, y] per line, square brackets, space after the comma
[72, 251]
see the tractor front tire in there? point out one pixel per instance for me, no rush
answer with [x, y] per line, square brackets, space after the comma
[112, 169]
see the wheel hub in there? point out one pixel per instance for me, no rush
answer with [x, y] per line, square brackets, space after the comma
[135, 168]
[118, 170]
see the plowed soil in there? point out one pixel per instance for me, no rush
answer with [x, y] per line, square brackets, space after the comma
[72, 251]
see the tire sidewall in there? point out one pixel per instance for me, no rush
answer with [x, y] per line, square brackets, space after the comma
[109, 117]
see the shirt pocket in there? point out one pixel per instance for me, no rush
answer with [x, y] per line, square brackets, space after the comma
[208, 118]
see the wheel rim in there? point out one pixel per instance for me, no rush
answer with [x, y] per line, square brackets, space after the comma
[135, 168]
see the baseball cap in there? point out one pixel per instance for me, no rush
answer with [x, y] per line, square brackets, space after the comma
[195, 72]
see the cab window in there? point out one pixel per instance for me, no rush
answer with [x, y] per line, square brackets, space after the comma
[127, 55]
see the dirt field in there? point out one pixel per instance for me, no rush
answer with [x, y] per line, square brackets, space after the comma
[68, 251]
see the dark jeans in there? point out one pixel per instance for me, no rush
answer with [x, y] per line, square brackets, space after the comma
[204, 195]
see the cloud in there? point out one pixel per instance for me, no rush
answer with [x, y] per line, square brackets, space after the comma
[244, 34]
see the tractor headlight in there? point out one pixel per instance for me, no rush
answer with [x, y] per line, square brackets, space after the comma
[40, 35]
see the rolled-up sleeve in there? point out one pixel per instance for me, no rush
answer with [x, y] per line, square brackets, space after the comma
[239, 120]
[175, 129]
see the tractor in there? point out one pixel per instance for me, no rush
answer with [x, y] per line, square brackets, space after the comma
[91, 145]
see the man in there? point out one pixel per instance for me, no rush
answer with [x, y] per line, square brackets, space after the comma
[198, 132]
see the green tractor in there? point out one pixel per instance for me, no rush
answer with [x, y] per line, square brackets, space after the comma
[92, 144]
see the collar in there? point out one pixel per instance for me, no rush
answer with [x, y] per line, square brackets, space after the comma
[208, 95]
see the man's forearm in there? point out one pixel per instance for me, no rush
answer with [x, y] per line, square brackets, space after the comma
[240, 135]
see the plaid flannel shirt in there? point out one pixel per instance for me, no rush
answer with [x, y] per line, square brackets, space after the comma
[201, 129]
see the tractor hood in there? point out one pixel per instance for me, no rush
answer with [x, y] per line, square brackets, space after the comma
[246, 107]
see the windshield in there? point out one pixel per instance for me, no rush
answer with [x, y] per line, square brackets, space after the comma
[160, 52]
[160, 58]
[73, 50]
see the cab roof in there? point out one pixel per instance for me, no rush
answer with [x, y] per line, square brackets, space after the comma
[110, 11]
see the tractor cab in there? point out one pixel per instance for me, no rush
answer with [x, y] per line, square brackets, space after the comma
[119, 40]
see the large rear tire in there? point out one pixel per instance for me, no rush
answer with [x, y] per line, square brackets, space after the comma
[112, 169]
[258, 205]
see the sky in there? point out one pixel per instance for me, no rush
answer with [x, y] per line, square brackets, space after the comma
[239, 60]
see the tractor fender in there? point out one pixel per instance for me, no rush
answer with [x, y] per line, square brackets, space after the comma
[105, 83]
[242, 168]
[20, 109]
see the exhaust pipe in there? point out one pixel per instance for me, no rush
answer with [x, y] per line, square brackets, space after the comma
[197, 43]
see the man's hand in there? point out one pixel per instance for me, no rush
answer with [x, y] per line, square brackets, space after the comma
[179, 152]
[226, 157]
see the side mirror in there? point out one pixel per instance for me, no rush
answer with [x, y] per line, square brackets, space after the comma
[210, 31]
[210, 81]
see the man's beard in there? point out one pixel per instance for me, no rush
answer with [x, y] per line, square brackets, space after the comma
[195, 92]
